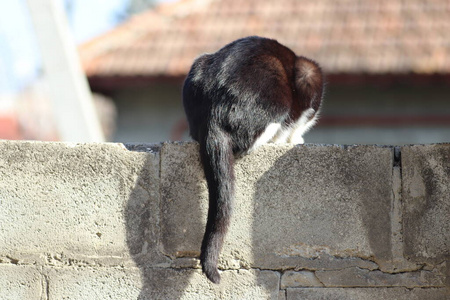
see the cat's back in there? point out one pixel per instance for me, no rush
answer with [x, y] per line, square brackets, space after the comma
[242, 57]
[253, 52]
[253, 46]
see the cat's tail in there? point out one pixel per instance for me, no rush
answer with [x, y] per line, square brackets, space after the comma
[309, 82]
[218, 162]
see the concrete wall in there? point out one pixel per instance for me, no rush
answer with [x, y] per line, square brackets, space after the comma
[107, 221]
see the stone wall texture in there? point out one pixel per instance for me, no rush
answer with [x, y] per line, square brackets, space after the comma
[114, 221]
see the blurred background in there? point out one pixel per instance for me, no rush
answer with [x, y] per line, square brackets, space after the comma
[112, 70]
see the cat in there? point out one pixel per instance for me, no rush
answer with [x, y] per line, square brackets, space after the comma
[250, 92]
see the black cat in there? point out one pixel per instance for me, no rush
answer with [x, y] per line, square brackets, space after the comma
[252, 91]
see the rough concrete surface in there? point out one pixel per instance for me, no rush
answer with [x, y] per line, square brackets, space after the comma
[281, 193]
[93, 283]
[191, 284]
[108, 221]
[366, 294]
[68, 200]
[291, 279]
[21, 282]
[184, 200]
[356, 277]
[426, 201]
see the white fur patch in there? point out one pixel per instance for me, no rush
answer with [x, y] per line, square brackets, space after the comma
[303, 124]
[276, 133]
[267, 135]
[282, 135]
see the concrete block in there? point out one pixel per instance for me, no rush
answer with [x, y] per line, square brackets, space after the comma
[426, 201]
[190, 284]
[183, 200]
[21, 282]
[93, 283]
[366, 294]
[291, 279]
[355, 277]
[305, 206]
[63, 203]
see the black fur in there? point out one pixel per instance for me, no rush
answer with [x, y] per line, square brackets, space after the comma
[230, 97]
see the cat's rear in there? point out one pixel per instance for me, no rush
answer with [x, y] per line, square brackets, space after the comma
[250, 92]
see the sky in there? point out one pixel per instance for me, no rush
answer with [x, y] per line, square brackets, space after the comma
[19, 53]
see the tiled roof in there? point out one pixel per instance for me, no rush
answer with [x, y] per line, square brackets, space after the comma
[345, 36]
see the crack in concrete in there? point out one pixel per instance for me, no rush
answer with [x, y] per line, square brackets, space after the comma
[159, 216]
[421, 270]
[318, 279]
[47, 287]
[378, 278]
[10, 260]
[398, 263]
[285, 293]
[45, 284]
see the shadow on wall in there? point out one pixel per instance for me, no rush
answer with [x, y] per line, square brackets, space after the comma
[311, 201]
[302, 207]
[154, 238]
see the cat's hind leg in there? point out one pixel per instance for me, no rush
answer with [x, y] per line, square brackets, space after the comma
[282, 136]
[271, 130]
[304, 123]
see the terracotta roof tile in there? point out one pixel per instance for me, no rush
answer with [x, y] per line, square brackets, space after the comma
[345, 36]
